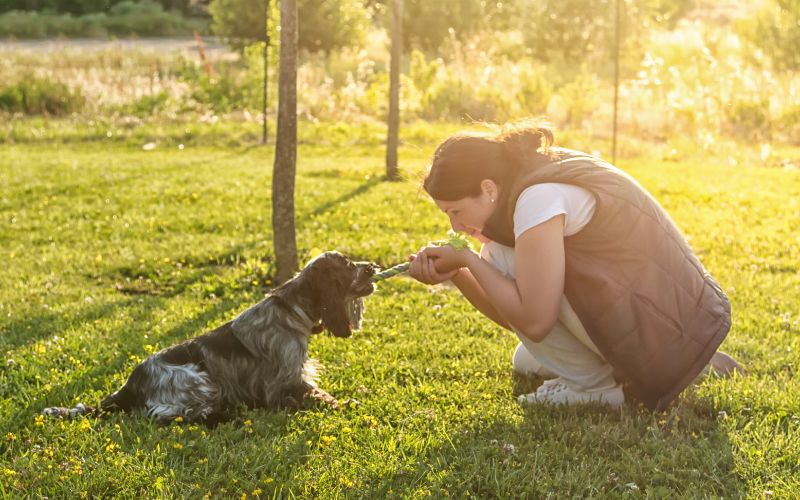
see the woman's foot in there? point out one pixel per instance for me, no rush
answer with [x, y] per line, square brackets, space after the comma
[723, 365]
[556, 392]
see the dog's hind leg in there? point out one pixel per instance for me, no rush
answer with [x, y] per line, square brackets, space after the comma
[70, 413]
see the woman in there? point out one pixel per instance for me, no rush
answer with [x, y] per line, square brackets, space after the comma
[580, 262]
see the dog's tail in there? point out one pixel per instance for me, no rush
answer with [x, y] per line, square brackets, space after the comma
[122, 400]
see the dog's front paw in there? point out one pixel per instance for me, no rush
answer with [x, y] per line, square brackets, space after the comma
[350, 403]
[323, 397]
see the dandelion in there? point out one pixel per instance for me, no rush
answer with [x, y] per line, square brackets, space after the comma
[178, 420]
[268, 480]
[39, 420]
[11, 437]
[257, 492]
[177, 446]
[326, 440]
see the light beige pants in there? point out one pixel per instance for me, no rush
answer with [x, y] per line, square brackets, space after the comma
[567, 351]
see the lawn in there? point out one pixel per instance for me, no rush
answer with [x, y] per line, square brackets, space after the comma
[111, 252]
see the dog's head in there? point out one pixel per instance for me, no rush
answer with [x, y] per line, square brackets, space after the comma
[339, 286]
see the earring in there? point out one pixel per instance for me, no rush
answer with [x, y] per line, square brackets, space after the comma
[492, 200]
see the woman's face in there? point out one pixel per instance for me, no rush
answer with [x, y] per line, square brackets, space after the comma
[469, 215]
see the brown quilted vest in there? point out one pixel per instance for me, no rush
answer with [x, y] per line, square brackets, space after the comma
[641, 293]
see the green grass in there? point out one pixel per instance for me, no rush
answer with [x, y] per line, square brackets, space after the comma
[110, 252]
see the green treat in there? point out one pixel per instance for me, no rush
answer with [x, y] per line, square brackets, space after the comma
[457, 241]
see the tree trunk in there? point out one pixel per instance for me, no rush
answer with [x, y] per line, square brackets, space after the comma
[264, 131]
[394, 90]
[283, 176]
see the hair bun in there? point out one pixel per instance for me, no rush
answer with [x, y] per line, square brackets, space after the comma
[524, 143]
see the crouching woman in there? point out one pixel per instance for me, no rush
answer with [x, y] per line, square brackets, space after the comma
[581, 263]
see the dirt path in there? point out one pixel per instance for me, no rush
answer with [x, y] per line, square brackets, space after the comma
[187, 45]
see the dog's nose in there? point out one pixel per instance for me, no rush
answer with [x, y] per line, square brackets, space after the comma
[369, 268]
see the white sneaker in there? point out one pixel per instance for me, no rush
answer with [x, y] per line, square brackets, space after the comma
[556, 392]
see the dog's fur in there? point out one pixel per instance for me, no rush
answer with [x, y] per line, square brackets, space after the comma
[259, 359]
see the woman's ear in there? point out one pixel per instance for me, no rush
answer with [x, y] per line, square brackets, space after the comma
[490, 189]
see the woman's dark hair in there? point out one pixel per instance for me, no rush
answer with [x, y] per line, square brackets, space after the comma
[462, 161]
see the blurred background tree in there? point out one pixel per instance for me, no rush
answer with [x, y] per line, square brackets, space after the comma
[80, 7]
[326, 24]
[775, 31]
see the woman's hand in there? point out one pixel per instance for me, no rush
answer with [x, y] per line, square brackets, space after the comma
[424, 270]
[435, 264]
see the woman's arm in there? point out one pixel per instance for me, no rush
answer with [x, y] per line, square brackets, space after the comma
[531, 302]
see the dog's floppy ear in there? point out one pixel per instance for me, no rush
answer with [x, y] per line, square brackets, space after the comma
[334, 313]
[330, 277]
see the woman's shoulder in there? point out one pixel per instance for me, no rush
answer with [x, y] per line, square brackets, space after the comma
[547, 192]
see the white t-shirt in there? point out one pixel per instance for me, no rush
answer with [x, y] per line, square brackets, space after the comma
[541, 202]
[537, 204]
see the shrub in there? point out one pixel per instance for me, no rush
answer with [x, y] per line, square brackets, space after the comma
[225, 90]
[775, 30]
[33, 95]
[326, 24]
[147, 105]
[789, 124]
[749, 119]
[145, 18]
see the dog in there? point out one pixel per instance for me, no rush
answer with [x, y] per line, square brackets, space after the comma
[259, 359]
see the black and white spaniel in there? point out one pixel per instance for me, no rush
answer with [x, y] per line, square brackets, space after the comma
[259, 359]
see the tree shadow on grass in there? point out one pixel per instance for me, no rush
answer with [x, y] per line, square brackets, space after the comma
[133, 283]
[327, 206]
[27, 330]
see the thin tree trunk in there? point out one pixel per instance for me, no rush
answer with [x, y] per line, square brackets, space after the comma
[283, 177]
[617, 23]
[394, 90]
[264, 131]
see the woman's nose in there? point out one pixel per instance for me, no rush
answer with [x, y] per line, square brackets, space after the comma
[455, 225]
